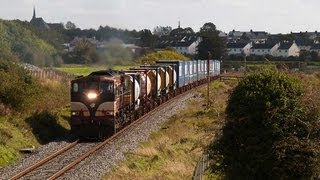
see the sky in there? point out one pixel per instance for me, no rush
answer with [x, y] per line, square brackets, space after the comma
[274, 16]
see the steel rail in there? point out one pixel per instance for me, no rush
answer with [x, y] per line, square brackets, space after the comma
[43, 161]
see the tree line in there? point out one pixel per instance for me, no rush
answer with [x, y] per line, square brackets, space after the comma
[48, 50]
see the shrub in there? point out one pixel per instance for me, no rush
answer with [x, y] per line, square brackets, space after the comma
[267, 134]
[17, 89]
[162, 55]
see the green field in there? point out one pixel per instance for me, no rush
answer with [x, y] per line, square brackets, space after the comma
[79, 70]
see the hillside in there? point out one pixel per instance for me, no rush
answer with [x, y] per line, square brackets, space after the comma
[30, 109]
[18, 39]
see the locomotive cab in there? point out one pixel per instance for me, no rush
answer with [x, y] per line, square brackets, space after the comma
[92, 106]
[100, 102]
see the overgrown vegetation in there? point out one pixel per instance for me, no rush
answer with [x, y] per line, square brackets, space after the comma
[173, 151]
[23, 42]
[30, 110]
[115, 54]
[18, 89]
[269, 132]
[162, 55]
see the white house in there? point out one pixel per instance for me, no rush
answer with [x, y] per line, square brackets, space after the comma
[264, 49]
[239, 48]
[187, 45]
[288, 49]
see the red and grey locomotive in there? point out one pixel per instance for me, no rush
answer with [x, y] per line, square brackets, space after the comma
[105, 101]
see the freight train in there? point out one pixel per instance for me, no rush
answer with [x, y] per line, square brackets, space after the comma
[104, 102]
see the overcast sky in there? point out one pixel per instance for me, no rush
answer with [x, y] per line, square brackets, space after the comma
[275, 16]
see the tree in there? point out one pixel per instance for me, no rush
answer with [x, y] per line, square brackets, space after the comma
[182, 32]
[114, 53]
[84, 52]
[211, 42]
[305, 55]
[70, 25]
[269, 134]
[147, 39]
[151, 58]
[162, 31]
[314, 55]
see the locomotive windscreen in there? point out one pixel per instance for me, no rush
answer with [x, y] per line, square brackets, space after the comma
[97, 90]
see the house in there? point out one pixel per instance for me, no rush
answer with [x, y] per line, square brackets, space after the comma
[239, 49]
[287, 49]
[315, 48]
[187, 45]
[263, 49]
[184, 44]
[253, 36]
[234, 35]
[304, 44]
[183, 40]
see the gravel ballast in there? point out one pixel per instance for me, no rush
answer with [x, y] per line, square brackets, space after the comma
[101, 162]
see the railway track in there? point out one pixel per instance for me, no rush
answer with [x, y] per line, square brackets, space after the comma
[34, 171]
[44, 161]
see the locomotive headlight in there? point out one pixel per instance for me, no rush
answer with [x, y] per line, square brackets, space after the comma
[92, 96]
[75, 113]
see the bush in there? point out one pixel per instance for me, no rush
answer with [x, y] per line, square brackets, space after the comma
[267, 131]
[162, 55]
[17, 89]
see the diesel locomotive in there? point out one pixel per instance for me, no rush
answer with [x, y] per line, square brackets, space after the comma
[105, 101]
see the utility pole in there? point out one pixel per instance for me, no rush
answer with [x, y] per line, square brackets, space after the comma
[245, 64]
[208, 78]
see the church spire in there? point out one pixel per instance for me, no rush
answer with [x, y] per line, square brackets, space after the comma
[179, 24]
[34, 12]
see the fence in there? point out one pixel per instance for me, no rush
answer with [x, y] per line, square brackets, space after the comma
[202, 165]
[51, 74]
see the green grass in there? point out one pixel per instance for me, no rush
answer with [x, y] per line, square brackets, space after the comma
[173, 151]
[79, 70]
[16, 133]
[12, 138]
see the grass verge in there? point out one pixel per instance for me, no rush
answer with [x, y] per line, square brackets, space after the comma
[41, 122]
[173, 151]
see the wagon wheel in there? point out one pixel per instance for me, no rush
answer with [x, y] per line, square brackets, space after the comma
[116, 125]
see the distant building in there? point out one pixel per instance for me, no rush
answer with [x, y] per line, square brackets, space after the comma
[263, 49]
[239, 48]
[185, 44]
[253, 36]
[183, 40]
[315, 48]
[304, 45]
[287, 49]
[39, 23]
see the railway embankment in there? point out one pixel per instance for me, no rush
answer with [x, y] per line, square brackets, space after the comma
[33, 111]
[180, 131]
[172, 151]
